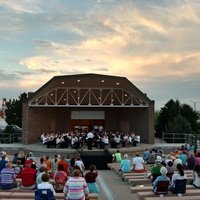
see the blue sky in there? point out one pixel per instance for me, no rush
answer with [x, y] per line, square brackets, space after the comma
[155, 44]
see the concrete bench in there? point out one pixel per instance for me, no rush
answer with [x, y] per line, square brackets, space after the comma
[146, 181]
[132, 175]
[143, 188]
[143, 195]
[174, 198]
[29, 194]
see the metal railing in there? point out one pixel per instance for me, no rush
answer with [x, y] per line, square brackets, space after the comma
[8, 138]
[185, 138]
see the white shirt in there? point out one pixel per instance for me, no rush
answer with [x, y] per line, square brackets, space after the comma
[46, 185]
[90, 135]
[138, 162]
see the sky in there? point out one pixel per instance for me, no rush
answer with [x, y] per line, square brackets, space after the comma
[154, 43]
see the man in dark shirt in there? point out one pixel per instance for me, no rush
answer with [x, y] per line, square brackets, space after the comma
[3, 162]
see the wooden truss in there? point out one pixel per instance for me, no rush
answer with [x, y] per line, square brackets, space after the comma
[87, 97]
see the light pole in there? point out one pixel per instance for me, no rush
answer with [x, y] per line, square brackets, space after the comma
[195, 105]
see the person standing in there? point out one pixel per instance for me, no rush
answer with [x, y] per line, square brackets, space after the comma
[76, 187]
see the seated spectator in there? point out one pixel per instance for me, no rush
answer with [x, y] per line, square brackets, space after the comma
[125, 165]
[42, 170]
[170, 169]
[45, 185]
[65, 165]
[117, 157]
[138, 164]
[49, 164]
[146, 155]
[3, 161]
[79, 162]
[183, 157]
[151, 158]
[155, 169]
[178, 175]
[15, 158]
[190, 162]
[177, 161]
[8, 177]
[76, 187]
[22, 157]
[60, 178]
[41, 163]
[28, 176]
[90, 178]
[162, 177]
[18, 169]
[196, 176]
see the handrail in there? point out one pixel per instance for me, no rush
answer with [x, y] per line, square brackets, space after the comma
[9, 138]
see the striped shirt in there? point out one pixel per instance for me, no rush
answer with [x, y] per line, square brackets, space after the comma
[76, 188]
[7, 176]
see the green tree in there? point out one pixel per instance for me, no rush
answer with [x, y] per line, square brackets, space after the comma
[177, 118]
[14, 110]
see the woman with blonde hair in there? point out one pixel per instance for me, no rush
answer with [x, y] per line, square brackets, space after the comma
[22, 157]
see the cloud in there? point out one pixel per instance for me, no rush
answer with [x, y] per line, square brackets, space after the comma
[28, 6]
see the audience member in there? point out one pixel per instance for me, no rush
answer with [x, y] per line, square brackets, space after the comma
[138, 164]
[3, 161]
[190, 162]
[48, 163]
[64, 164]
[42, 170]
[162, 177]
[18, 169]
[125, 165]
[196, 176]
[117, 157]
[45, 184]
[28, 176]
[8, 177]
[76, 187]
[22, 157]
[60, 178]
[90, 178]
[178, 175]
[79, 163]
[15, 158]
[155, 169]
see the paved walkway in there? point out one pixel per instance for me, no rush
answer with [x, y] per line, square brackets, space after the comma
[112, 187]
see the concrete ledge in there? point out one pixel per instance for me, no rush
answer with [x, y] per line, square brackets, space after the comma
[150, 188]
[143, 195]
[29, 195]
[174, 198]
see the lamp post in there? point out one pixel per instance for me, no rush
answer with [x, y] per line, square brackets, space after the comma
[195, 105]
